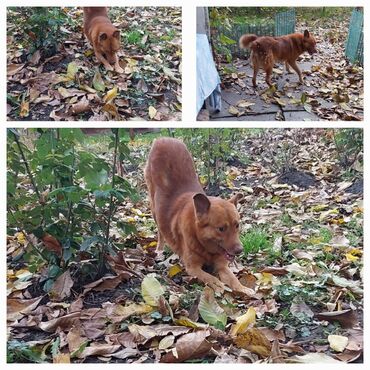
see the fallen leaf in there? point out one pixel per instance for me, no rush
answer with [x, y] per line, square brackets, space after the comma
[151, 290]
[189, 346]
[243, 322]
[337, 342]
[61, 288]
[210, 311]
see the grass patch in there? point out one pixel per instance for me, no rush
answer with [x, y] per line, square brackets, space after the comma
[255, 240]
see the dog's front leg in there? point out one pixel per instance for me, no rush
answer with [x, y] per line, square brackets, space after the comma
[294, 65]
[287, 67]
[102, 60]
[117, 67]
[212, 281]
[227, 277]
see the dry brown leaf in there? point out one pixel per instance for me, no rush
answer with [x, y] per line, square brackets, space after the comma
[17, 307]
[346, 318]
[61, 288]
[97, 349]
[189, 346]
[64, 322]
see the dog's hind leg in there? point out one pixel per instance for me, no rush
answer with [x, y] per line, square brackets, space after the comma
[255, 71]
[268, 75]
[294, 65]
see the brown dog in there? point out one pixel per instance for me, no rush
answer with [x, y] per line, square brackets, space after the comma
[103, 36]
[266, 51]
[203, 231]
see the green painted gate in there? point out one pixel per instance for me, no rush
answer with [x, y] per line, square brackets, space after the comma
[285, 22]
[355, 41]
[282, 24]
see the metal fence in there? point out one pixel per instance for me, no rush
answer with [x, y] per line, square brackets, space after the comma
[282, 24]
[355, 41]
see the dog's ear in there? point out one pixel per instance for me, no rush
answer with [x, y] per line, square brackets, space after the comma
[116, 34]
[103, 36]
[201, 204]
[236, 198]
[306, 34]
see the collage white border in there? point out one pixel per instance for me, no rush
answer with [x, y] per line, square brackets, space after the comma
[188, 120]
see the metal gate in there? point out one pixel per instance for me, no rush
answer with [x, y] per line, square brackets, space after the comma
[355, 41]
[282, 24]
[285, 22]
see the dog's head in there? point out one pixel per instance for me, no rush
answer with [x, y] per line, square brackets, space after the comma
[109, 42]
[217, 223]
[309, 43]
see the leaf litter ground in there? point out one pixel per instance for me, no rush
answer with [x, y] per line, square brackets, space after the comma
[72, 85]
[303, 258]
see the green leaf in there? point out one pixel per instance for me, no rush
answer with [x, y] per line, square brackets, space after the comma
[210, 311]
[72, 70]
[151, 290]
[98, 82]
[226, 40]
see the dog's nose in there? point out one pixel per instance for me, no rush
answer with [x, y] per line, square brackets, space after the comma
[237, 249]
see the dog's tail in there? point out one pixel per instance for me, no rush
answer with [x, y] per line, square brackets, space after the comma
[246, 40]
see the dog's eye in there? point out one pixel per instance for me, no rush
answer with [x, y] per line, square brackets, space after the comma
[222, 229]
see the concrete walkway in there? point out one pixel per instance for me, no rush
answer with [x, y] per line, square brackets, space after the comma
[283, 104]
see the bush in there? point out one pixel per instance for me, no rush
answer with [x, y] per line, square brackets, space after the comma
[349, 144]
[41, 26]
[66, 196]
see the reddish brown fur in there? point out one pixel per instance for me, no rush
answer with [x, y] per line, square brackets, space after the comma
[103, 36]
[266, 51]
[189, 221]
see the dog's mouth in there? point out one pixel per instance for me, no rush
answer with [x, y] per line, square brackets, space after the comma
[228, 256]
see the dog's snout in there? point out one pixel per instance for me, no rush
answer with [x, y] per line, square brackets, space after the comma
[237, 249]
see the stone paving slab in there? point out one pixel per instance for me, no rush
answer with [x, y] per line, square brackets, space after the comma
[288, 87]
[256, 117]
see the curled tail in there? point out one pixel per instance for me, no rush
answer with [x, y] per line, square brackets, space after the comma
[246, 40]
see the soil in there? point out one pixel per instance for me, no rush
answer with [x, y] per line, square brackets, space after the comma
[298, 178]
[357, 187]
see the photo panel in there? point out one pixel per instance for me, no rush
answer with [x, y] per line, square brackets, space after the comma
[184, 245]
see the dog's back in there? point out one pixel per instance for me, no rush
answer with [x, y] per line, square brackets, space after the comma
[170, 168]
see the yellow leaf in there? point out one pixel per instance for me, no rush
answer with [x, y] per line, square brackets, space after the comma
[325, 214]
[174, 270]
[242, 322]
[319, 207]
[351, 258]
[184, 321]
[152, 112]
[110, 95]
[25, 109]
[337, 342]
[150, 245]
[255, 341]
[266, 278]
[203, 179]
[72, 70]
[21, 238]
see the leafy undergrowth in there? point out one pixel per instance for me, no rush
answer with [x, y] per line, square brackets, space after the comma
[333, 87]
[303, 257]
[57, 75]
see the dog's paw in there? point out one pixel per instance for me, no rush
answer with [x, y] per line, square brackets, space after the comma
[248, 291]
[108, 67]
[217, 286]
[118, 69]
